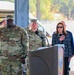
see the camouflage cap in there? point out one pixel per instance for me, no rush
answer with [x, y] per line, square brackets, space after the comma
[9, 17]
[33, 20]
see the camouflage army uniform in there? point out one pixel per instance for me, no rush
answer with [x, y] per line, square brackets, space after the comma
[13, 45]
[34, 40]
[43, 38]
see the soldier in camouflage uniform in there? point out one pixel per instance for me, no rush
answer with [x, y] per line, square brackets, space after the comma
[13, 46]
[36, 38]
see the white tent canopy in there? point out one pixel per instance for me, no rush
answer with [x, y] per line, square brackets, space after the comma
[6, 8]
[5, 5]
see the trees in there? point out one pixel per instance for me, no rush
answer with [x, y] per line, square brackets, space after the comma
[44, 8]
[48, 7]
[67, 9]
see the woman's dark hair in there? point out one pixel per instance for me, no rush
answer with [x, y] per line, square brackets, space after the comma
[64, 30]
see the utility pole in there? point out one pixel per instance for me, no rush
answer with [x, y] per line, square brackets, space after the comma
[38, 9]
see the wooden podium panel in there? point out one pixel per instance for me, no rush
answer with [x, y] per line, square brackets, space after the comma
[46, 61]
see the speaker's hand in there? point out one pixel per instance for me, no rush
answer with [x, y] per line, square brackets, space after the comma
[62, 38]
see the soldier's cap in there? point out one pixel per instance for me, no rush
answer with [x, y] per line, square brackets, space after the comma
[9, 17]
[33, 20]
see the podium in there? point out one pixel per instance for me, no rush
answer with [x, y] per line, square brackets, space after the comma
[46, 61]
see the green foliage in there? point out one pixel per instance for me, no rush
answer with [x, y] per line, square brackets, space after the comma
[44, 8]
[47, 7]
[32, 6]
[67, 8]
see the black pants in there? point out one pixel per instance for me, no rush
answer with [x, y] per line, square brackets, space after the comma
[66, 66]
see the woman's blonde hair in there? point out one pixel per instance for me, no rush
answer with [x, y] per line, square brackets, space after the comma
[64, 29]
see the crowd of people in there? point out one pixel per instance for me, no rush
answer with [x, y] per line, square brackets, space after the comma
[15, 42]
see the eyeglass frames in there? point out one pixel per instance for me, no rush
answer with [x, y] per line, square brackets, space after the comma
[59, 27]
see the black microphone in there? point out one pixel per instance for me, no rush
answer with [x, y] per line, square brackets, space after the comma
[42, 37]
[59, 35]
[36, 32]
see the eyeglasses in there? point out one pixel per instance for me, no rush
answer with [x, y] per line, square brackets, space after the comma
[59, 27]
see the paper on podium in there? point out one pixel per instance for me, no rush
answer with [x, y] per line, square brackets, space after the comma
[41, 48]
[60, 45]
